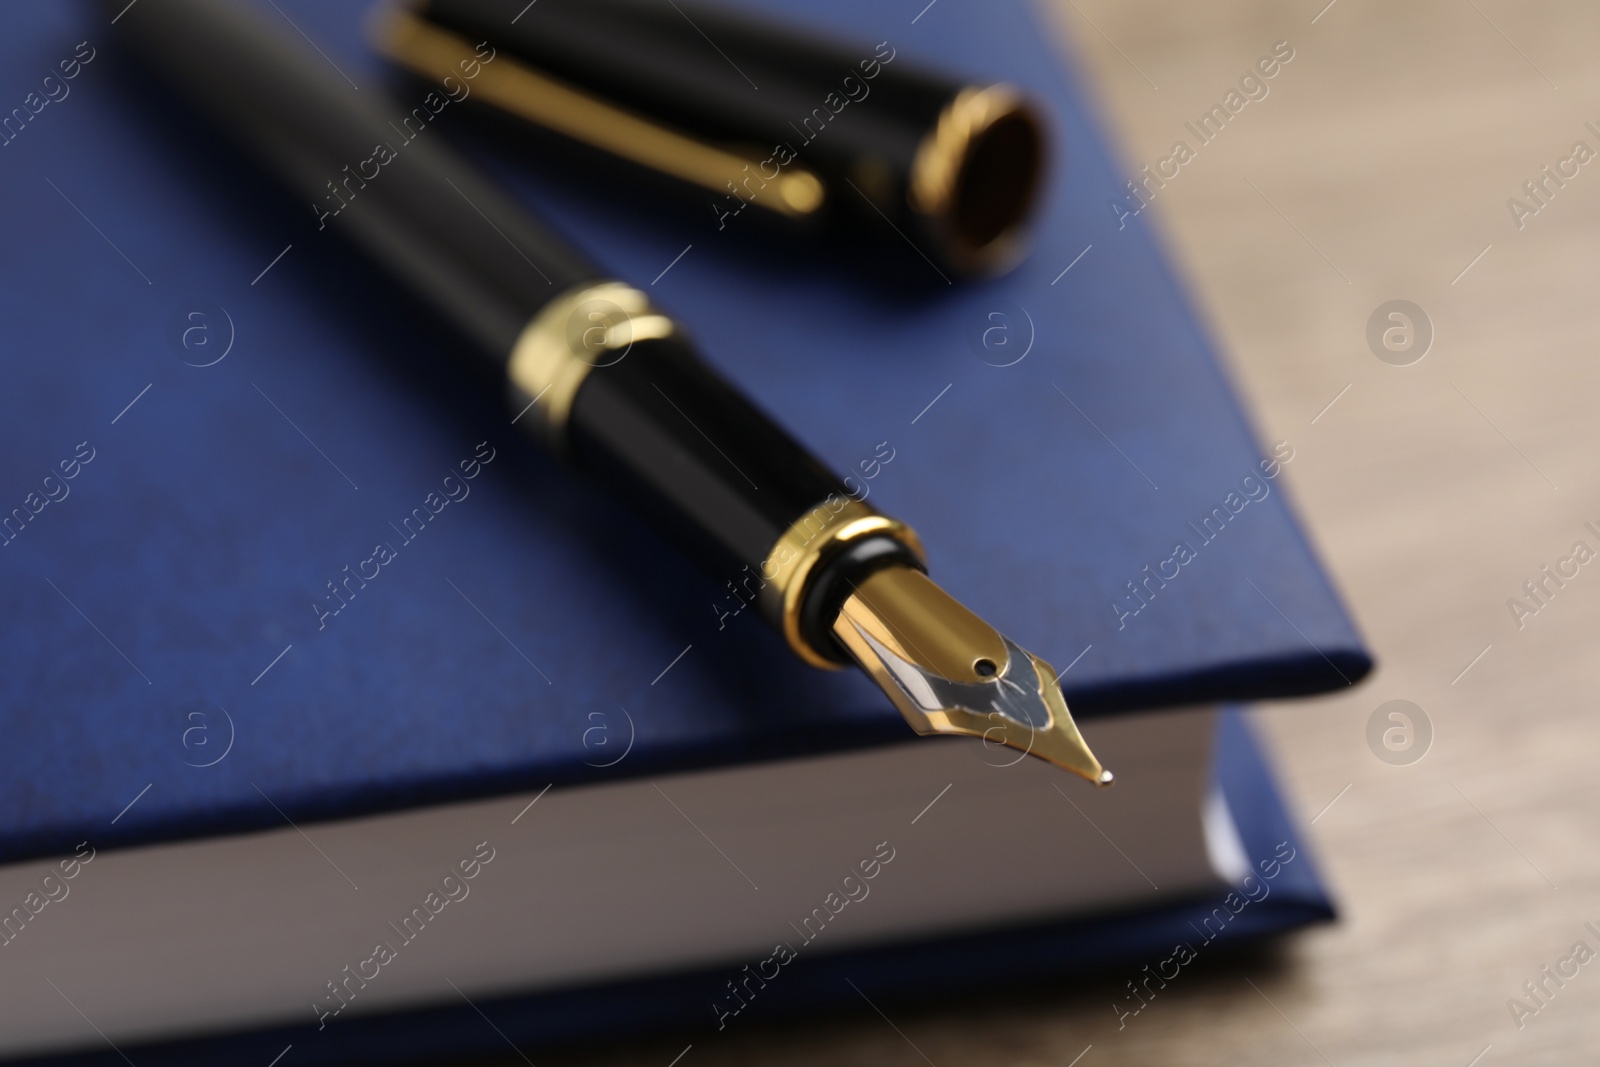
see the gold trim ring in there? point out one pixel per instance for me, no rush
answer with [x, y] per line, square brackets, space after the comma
[788, 568]
[977, 174]
[593, 325]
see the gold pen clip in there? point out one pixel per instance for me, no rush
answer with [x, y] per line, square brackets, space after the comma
[518, 89]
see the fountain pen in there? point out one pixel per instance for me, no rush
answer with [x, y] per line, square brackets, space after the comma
[602, 377]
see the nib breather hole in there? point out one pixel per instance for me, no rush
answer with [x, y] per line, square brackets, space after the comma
[985, 668]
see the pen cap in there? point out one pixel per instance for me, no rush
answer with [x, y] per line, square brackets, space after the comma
[838, 139]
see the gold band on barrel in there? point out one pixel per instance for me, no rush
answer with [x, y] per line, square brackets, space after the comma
[591, 326]
[833, 523]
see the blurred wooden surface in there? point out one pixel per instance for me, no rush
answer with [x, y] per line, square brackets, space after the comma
[1378, 167]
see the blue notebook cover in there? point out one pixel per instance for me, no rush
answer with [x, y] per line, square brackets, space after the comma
[177, 502]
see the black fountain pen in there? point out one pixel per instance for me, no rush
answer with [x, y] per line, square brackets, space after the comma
[606, 380]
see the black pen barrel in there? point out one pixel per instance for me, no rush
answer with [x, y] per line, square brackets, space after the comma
[362, 163]
[589, 366]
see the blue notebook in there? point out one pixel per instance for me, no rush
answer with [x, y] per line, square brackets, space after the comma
[209, 411]
[1130, 950]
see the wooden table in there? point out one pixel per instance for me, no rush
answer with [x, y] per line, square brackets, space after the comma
[1377, 168]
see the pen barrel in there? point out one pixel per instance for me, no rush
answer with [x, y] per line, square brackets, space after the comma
[668, 432]
[592, 369]
[849, 139]
[603, 378]
[362, 164]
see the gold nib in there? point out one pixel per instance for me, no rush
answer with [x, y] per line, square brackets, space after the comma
[949, 672]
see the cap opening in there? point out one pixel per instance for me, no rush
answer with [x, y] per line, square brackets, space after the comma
[977, 176]
[997, 182]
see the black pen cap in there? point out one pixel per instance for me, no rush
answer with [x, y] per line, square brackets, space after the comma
[834, 138]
